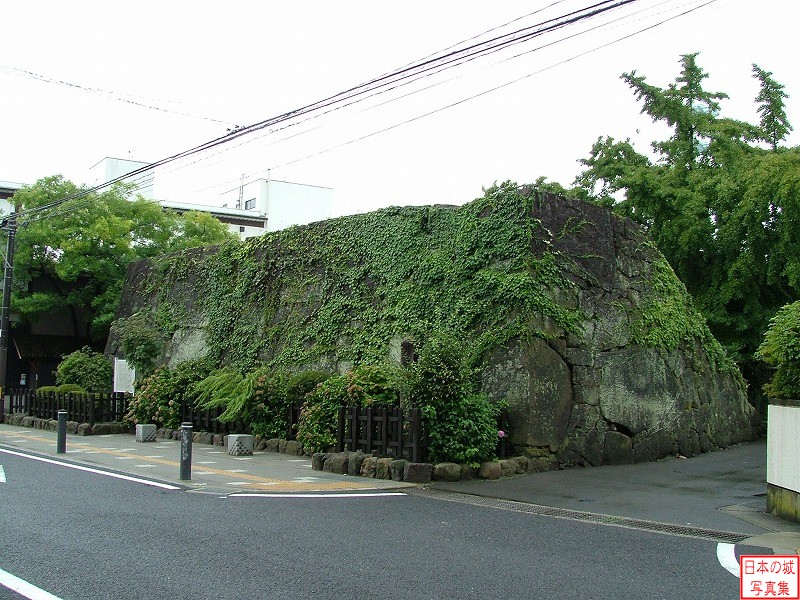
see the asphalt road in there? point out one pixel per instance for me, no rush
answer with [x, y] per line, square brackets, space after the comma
[81, 535]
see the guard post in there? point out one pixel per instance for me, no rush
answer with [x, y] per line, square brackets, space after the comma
[186, 451]
[61, 437]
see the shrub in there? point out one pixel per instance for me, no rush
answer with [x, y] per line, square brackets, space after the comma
[316, 428]
[155, 400]
[461, 424]
[365, 385]
[159, 395]
[227, 388]
[781, 349]
[266, 408]
[86, 368]
[440, 377]
[66, 388]
[465, 432]
[302, 383]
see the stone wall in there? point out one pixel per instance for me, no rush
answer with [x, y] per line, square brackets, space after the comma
[572, 315]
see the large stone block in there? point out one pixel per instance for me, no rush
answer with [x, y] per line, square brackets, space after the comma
[337, 463]
[490, 470]
[447, 472]
[618, 449]
[356, 460]
[537, 384]
[417, 472]
[294, 448]
[383, 468]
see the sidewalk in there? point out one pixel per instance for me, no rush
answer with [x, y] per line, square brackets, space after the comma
[213, 470]
[723, 491]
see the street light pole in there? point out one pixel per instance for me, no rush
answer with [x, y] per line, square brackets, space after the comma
[10, 225]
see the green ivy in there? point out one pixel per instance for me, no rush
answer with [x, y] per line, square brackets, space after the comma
[669, 320]
[350, 286]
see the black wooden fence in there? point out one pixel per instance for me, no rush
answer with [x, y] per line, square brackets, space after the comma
[395, 432]
[83, 408]
[389, 431]
[208, 420]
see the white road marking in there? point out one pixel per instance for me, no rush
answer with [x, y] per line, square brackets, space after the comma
[206, 462]
[726, 556]
[2, 475]
[239, 483]
[148, 466]
[235, 471]
[321, 495]
[306, 479]
[24, 588]
[91, 470]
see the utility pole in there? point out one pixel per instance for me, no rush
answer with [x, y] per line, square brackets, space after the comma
[10, 225]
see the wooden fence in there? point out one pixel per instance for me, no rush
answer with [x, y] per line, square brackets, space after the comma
[395, 432]
[208, 420]
[389, 431]
[83, 408]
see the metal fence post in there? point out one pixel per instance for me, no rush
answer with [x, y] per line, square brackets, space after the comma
[61, 437]
[186, 451]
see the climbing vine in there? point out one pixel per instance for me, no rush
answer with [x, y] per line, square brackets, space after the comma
[342, 292]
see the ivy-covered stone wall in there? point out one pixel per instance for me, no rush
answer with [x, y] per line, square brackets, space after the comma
[570, 314]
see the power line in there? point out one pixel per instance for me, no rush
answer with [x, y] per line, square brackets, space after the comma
[453, 57]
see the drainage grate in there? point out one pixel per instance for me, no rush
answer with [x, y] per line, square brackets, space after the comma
[587, 517]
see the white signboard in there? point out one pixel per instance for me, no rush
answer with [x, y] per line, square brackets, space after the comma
[124, 376]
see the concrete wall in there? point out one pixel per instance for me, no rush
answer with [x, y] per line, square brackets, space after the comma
[783, 459]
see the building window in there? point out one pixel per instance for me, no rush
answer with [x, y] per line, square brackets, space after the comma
[250, 204]
[241, 229]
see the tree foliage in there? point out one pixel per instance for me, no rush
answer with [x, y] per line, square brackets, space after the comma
[781, 349]
[720, 197]
[73, 258]
[85, 368]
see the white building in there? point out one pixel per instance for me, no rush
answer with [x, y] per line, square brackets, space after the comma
[111, 168]
[250, 210]
[282, 203]
[8, 189]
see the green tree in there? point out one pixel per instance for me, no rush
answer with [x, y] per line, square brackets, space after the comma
[775, 125]
[73, 257]
[721, 208]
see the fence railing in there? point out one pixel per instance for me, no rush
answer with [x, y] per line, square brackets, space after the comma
[208, 420]
[389, 431]
[83, 408]
[395, 432]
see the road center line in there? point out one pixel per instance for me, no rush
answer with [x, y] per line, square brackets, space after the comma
[91, 470]
[24, 588]
[726, 555]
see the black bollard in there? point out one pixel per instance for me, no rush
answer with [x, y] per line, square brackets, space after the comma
[186, 451]
[61, 436]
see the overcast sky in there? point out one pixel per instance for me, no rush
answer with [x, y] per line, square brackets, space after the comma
[86, 79]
